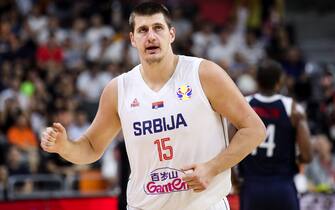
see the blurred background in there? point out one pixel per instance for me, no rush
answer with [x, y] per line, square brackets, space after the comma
[56, 56]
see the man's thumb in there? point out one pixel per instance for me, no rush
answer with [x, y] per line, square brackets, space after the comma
[188, 167]
[58, 127]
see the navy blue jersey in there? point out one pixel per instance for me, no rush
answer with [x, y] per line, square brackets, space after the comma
[276, 156]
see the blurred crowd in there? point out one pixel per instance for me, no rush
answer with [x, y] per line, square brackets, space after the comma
[57, 56]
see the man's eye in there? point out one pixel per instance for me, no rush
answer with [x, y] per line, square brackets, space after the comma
[142, 30]
[158, 27]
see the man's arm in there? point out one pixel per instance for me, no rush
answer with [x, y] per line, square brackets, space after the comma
[91, 145]
[226, 100]
[303, 137]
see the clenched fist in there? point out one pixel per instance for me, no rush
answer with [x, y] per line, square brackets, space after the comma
[199, 176]
[54, 139]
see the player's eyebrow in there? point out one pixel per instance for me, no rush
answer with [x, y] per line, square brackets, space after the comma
[158, 24]
[141, 27]
[146, 26]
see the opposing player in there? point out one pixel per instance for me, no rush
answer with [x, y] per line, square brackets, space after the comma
[169, 108]
[267, 173]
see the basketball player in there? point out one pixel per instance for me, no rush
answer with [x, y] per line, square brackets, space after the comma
[269, 170]
[169, 108]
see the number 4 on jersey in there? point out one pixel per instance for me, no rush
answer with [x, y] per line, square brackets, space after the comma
[269, 143]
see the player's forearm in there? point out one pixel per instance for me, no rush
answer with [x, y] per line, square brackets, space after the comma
[80, 151]
[303, 139]
[243, 142]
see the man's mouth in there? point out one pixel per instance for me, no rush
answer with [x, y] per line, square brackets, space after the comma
[152, 49]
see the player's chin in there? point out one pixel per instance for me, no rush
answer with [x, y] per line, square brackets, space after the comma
[154, 58]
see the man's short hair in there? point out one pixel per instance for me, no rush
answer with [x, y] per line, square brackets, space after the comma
[149, 8]
[268, 75]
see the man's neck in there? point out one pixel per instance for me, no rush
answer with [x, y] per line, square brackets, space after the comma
[157, 74]
[267, 92]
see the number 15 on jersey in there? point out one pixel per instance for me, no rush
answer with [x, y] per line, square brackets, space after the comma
[165, 152]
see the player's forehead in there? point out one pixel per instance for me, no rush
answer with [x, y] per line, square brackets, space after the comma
[149, 20]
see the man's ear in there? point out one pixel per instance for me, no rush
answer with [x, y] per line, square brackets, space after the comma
[172, 34]
[131, 36]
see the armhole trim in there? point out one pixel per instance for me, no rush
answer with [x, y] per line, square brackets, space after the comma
[120, 93]
[199, 85]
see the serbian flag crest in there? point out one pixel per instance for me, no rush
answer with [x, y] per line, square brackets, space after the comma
[158, 104]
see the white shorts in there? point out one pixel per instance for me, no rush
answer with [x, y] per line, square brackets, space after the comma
[222, 205]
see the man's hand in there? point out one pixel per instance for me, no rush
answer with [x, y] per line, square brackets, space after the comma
[198, 176]
[54, 139]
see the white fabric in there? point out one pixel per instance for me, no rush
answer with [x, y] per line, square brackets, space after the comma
[114, 52]
[75, 131]
[8, 93]
[92, 86]
[94, 34]
[253, 53]
[221, 52]
[221, 205]
[44, 35]
[202, 42]
[109, 165]
[36, 24]
[199, 138]
[133, 55]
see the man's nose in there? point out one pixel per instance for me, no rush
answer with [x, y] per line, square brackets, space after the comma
[151, 35]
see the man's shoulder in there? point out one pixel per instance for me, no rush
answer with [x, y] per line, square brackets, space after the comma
[190, 58]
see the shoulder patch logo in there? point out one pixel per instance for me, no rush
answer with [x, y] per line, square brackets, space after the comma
[184, 92]
[135, 103]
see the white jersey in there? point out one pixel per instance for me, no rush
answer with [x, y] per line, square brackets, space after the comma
[166, 130]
